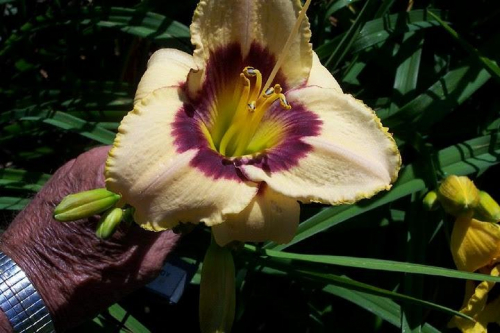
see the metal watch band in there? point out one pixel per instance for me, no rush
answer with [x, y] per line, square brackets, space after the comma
[19, 300]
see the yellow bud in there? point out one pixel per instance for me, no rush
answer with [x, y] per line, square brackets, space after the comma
[109, 222]
[487, 209]
[217, 290]
[85, 204]
[458, 195]
[431, 201]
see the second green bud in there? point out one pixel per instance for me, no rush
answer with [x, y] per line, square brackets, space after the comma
[109, 222]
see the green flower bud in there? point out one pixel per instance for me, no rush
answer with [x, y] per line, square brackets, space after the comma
[487, 209]
[431, 201]
[109, 222]
[217, 290]
[85, 204]
[458, 195]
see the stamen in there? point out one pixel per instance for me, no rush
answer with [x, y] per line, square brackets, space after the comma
[284, 51]
[284, 102]
[251, 106]
[269, 92]
[249, 71]
[238, 116]
[242, 98]
[242, 83]
[252, 72]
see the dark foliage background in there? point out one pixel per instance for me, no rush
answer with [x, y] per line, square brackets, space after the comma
[68, 73]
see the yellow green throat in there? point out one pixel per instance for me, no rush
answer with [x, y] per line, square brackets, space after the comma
[233, 134]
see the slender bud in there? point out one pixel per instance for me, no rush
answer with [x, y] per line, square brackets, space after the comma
[109, 222]
[487, 209]
[431, 201]
[85, 204]
[217, 290]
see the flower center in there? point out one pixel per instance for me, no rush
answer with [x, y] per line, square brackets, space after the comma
[249, 103]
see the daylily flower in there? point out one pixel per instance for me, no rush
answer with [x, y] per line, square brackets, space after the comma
[237, 133]
[475, 246]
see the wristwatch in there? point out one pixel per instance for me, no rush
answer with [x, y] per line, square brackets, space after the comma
[19, 300]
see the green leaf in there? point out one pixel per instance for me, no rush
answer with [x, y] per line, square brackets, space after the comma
[146, 25]
[345, 282]
[405, 82]
[356, 285]
[9, 176]
[142, 24]
[336, 6]
[13, 203]
[450, 91]
[488, 64]
[378, 305]
[378, 264]
[347, 40]
[63, 121]
[384, 8]
[381, 29]
[126, 319]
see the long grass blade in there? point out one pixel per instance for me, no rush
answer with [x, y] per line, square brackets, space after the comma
[377, 264]
[345, 44]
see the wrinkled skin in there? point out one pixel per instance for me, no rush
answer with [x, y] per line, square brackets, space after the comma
[77, 274]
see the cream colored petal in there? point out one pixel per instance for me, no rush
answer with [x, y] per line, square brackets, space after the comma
[146, 169]
[218, 24]
[321, 77]
[474, 244]
[166, 67]
[353, 156]
[269, 217]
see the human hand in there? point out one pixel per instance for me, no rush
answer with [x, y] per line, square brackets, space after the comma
[77, 274]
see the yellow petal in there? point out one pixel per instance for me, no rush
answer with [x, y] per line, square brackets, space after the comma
[321, 77]
[467, 326]
[270, 216]
[266, 25]
[146, 169]
[491, 313]
[166, 67]
[474, 244]
[474, 308]
[353, 157]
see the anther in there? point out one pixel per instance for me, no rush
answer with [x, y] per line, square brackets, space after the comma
[251, 106]
[284, 103]
[269, 92]
[250, 71]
